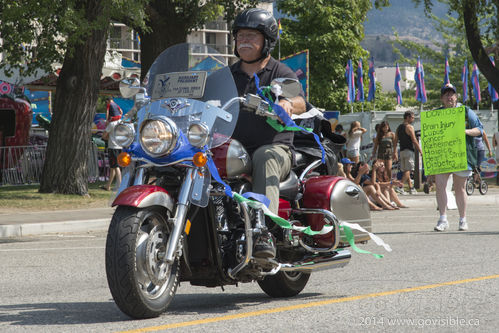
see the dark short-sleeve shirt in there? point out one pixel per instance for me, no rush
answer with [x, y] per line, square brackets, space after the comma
[114, 109]
[252, 130]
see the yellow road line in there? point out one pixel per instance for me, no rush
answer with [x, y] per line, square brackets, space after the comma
[306, 305]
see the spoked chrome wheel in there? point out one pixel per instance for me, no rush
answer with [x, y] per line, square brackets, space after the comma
[152, 271]
[141, 282]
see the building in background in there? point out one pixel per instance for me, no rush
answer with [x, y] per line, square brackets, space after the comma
[386, 77]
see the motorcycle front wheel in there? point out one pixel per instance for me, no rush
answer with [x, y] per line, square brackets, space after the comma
[284, 284]
[141, 283]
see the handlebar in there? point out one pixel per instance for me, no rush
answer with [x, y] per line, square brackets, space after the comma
[255, 103]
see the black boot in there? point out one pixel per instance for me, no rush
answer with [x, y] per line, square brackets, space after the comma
[264, 245]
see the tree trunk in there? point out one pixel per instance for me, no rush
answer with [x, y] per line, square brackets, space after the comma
[475, 45]
[167, 29]
[65, 169]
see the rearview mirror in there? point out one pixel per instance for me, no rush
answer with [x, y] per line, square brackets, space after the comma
[129, 87]
[290, 87]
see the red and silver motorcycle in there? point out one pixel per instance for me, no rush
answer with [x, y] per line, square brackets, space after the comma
[181, 212]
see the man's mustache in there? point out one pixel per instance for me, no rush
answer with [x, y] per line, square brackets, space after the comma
[244, 45]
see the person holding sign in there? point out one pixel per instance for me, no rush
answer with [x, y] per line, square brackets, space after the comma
[446, 152]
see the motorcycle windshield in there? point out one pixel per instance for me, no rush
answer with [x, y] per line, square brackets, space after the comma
[191, 83]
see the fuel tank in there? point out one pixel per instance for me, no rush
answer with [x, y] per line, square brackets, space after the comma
[344, 198]
[232, 160]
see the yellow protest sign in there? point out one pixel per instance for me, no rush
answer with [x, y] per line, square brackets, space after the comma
[443, 140]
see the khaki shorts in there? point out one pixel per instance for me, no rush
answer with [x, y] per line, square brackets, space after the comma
[406, 160]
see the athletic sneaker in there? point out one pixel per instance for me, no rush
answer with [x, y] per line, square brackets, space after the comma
[413, 191]
[442, 225]
[463, 226]
[399, 190]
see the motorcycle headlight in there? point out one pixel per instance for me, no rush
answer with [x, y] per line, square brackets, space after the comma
[124, 134]
[158, 137]
[198, 134]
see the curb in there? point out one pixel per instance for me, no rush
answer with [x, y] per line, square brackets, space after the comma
[20, 230]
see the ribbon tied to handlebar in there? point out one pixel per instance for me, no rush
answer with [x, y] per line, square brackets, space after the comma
[289, 124]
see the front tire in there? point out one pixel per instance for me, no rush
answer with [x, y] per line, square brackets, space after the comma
[484, 187]
[284, 284]
[470, 186]
[141, 283]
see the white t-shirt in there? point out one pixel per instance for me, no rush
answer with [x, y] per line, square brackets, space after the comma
[353, 140]
[109, 128]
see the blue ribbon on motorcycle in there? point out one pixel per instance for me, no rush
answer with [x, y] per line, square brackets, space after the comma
[289, 123]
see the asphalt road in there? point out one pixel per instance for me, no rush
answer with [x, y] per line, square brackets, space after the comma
[430, 281]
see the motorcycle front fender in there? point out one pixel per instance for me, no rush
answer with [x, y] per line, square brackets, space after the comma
[141, 196]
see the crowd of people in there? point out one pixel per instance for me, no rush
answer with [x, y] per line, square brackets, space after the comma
[375, 176]
[389, 147]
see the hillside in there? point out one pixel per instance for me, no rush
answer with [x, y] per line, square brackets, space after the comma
[404, 17]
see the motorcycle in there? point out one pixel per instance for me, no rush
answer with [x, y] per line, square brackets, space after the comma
[183, 213]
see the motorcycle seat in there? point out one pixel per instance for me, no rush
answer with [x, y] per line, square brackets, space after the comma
[289, 188]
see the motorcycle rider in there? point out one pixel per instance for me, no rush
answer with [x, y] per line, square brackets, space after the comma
[255, 32]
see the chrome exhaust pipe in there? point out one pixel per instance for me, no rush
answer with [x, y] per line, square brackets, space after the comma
[319, 261]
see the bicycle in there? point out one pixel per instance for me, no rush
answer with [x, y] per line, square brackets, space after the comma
[475, 180]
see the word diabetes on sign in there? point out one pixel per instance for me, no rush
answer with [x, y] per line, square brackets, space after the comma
[180, 84]
[443, 140]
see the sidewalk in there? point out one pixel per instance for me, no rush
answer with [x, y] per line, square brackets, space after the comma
[98, 219]
[57, 221]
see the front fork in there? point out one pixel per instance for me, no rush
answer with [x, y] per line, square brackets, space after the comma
[180, 216]
[178, 221]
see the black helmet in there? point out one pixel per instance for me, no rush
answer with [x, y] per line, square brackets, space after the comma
[261, 20]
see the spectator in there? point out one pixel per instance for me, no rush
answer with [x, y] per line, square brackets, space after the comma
[354, 137]
[387, 185]
[339, 130]
[358, 174]
[479, 144]
[473, 128]
[406, 137]
[113, 150]
[495, 144]
[113, 110]
[383, 145]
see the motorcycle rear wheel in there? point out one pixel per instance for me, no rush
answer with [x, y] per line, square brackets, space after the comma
[284, 284]
[142, 285]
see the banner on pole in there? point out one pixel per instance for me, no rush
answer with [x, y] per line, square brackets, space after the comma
[298, 62]
[443, 140]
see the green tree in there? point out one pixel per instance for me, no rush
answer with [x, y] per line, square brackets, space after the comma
[170, 21]
[469, 12]
[39, 33]
[454, 46]
[332, 31]
[73, 32]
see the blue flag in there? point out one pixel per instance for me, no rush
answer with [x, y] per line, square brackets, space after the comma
[350, 82]
[360, 83]
[447, 71]
[476, 83]
[420, 86]
[397, 85]
[492, 91]
[464, 79]
[372, 81]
